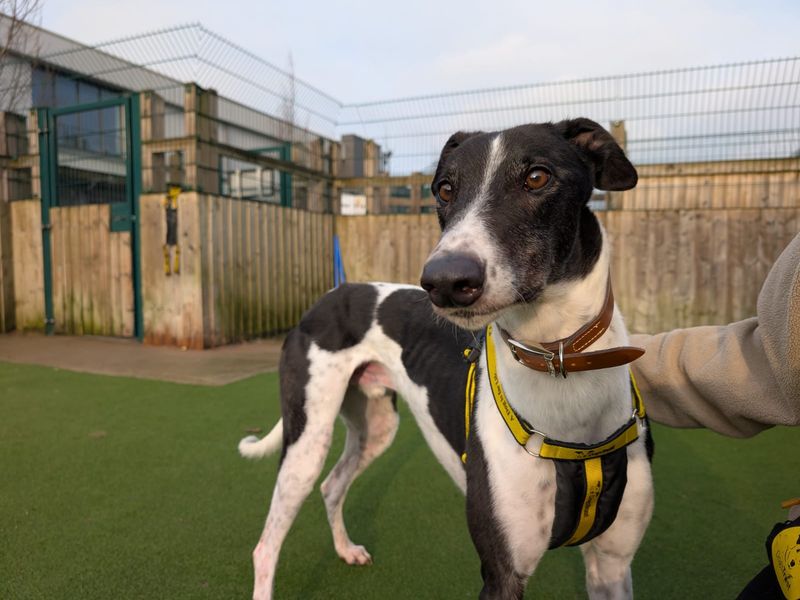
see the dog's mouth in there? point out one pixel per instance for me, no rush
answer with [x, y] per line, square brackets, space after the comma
[472, 319]
[478, 317]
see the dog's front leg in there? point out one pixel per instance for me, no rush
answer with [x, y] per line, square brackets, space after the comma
[608, 557]
[607, 577]
[500, 584]
[500, 579]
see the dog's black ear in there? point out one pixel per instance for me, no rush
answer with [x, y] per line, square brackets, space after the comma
[612, 169]
[451, 144]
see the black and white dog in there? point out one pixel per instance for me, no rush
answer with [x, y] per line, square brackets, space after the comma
[521, 257]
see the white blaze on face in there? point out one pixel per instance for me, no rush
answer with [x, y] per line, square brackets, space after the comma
[469, 232]
[496, 156]
[470, 235]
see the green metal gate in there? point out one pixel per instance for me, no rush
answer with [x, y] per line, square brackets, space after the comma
[91, 176]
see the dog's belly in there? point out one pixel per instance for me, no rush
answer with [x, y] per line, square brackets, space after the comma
[373, 374]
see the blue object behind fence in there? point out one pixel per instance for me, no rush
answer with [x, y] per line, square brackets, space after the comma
[339, 276]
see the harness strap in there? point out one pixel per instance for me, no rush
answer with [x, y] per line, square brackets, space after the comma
[588, 496]
[469, 402]
[591, 478]
[537, 443]
[593, 469]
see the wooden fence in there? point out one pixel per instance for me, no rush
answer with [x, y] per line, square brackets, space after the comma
[767, 183]
[680, 268]
[7, 321]
[248, 269]
[26, 251]
[92, 272]
[773, 183]
[386, 247]
[671, 268]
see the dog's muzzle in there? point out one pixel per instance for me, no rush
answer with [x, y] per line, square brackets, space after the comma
[453, 280]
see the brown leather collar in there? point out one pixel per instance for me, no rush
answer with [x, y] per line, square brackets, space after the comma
[566, 355]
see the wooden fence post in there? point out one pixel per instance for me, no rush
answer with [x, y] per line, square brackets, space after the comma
[618, 132]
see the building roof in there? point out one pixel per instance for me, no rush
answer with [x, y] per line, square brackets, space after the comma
[49, 48]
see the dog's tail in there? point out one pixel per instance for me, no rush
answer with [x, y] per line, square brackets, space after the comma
[252, 447]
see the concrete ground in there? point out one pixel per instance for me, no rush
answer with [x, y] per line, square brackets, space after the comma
[129, 358]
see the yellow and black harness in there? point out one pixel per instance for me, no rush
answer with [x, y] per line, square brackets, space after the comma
[590, 478]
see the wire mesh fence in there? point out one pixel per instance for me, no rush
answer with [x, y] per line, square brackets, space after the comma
[725, 112]
[215, 145]
[219, 119]
[252, 139]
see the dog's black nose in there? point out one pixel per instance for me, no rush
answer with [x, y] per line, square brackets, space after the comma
[453, 279]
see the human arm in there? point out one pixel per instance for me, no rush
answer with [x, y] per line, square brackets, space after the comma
[736, 379]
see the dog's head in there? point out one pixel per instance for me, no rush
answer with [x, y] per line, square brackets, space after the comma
[513, 210]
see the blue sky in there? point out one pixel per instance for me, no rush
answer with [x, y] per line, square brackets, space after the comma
[359, 51]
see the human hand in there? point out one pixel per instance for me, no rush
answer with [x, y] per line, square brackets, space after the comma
[794, 508]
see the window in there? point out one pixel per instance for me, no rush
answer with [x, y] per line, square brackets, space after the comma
[167, 169]
[66, 91]
[53, 89]
[249, 181]
[400, 191]
[91, 159]
[42, 87]
[19, 184]
[111, 130]
[87, 92]
[89, 123]
[96, 131]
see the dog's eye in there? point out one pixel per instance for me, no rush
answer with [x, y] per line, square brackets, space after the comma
[537, 178]
[445, 192]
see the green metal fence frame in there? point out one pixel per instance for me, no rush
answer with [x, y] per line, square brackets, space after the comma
[284, 152]
[121, 220]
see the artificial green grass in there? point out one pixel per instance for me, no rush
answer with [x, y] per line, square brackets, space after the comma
[122, 488]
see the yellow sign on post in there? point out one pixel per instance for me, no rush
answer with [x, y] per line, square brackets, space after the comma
[171, 215]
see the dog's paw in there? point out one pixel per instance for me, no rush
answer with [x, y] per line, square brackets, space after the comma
[356, 555]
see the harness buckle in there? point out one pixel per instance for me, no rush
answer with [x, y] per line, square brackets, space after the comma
[471, 354]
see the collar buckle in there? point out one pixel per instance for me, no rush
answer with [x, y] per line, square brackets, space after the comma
[547, 355]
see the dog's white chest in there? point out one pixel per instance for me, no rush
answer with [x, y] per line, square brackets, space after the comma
[523, 488]
[541, 503]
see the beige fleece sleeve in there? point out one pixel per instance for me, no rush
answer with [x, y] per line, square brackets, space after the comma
[736, 379]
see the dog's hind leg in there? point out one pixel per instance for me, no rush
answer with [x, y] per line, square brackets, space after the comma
[312, 391]
[300, 469]
[370, 416]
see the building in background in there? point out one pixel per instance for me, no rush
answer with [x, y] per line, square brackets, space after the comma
[92, 138]
[237, 152]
